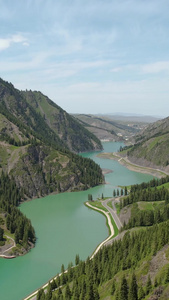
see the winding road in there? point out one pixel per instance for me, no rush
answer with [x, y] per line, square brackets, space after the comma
[112, 211]
[8, 249]
[110, 226]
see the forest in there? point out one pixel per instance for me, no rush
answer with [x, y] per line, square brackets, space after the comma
[154, 191]
[15, 221]
[117, 270]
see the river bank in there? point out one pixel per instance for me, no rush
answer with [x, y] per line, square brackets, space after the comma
[131, 166]
[112, 234]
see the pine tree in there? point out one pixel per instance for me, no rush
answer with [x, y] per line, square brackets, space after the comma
[96, 294]
[167, 276]
[133, 289]
[76, 295]
[123, 289]
[141, 293]
[77, 259]
[16, 236]
[59, 294]
[117, 295]
[40, 294]
[67, 293]
[155, 282]
[90, 197]
[83, 290]
[125, 191]
[148, 285]
[1, 234]
[49, 292]
[90, 291]
[62, 268]
[113, 287]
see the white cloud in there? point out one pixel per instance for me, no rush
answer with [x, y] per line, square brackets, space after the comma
[26, 44]
[151, 68]
[156, 67]
[87, 49]
[17, 38]
[145, 96]
[116, 70]
[5, 43]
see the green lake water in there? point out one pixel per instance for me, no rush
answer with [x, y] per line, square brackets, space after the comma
[64, 227]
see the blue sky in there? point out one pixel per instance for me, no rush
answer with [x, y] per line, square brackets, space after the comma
[89, 56]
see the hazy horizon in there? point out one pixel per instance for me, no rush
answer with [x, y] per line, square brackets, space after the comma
[89, 56]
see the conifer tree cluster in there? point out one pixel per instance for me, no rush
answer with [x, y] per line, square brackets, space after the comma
[152, 191]
[83, 281]
[16, 222]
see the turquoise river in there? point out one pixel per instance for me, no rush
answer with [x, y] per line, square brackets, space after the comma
[64, 227]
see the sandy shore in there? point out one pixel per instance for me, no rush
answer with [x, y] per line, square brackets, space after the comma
[106, 171]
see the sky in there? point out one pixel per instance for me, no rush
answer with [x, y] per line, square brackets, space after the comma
[89, 56]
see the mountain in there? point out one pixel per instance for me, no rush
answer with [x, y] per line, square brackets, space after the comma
[109, 127]
[69, 130]
[132, 118]
[34, 154]
[151, 146]
[36, 140]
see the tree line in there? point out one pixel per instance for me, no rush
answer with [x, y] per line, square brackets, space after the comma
[150, 191]
[16, 222]
[82, 282]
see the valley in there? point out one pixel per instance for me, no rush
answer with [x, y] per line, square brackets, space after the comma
[45, 151]
[48, 218]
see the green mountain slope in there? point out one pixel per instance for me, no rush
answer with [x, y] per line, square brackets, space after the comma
[34, 161]
[152, 144]
[34, 154]
[73, 134]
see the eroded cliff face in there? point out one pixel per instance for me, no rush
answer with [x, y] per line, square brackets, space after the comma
[41, 170]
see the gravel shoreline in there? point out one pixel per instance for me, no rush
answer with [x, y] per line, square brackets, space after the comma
[134, 167]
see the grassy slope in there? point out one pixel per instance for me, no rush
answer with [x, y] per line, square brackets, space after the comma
[76, 137]
[152, 144]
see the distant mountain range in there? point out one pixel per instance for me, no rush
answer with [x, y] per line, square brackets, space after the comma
[113, 128]
[133, 117]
